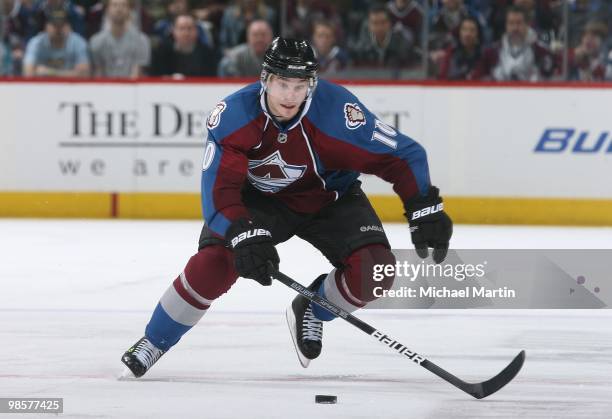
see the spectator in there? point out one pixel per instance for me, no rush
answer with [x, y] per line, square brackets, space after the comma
[21, 20]
[97, 18]
[497, 18]
[331, 57]
[544, 16]
[210, 10]
[94, 10]
[245, 60]
[141, 18]
[5, 60]
[407, 16]
[444, 26]
[484, 7]
[302, 14]
[587, 62]
[236, 19]
[444, 29]
[162, 29]
[353, 17]
[75, 14]
[4, 10]
[184, 55]
[520, 56]
[469, 59]
[583, 11]
[5, 51]
[379, 44]
[209, 14]
[119, 50]
[58, 51]
[21, 25]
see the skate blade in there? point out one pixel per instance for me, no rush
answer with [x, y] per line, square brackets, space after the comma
[126, 375]
[291, 323]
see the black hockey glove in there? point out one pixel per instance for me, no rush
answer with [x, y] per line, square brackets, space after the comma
[430, 226]
[253, 249]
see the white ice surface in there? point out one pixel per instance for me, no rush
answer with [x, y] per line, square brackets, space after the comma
[75, 294]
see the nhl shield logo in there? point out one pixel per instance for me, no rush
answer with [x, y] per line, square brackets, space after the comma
[273, 174]
[215, 116]
[354, 116]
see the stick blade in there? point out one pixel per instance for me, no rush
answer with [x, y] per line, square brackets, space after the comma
[486, 388]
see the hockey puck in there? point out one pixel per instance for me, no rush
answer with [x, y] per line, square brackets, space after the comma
[325, 399]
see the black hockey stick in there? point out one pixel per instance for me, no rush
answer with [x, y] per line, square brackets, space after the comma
[477, 390]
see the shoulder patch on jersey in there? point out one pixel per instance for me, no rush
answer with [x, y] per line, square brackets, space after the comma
[354, 116]
[215, 116]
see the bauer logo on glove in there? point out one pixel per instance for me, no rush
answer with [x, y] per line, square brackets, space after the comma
[426, 211]
[249, 234]
[430, 226]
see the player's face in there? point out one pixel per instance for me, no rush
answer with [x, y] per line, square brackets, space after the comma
[285, 96]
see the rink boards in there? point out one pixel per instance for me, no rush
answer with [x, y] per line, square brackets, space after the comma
[509, 154]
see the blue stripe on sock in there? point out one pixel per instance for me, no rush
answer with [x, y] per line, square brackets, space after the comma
[318, 311]
[162, 331]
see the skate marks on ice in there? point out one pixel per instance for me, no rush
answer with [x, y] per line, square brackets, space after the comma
[66, 325]
[521, 408]
[247, 361]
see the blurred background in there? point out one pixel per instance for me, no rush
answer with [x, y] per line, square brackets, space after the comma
[503, 40]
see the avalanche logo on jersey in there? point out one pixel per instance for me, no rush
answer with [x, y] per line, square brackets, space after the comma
[273, 174]
[215, 116]
[354, 116]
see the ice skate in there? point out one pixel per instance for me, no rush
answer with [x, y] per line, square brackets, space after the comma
[141, 356]
[306, 330]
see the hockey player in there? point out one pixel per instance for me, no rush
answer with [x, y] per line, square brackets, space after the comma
[282, 159]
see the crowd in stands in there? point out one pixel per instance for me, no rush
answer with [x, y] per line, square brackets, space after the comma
[490, 40]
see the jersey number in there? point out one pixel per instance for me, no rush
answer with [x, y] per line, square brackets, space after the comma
[383, 133]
